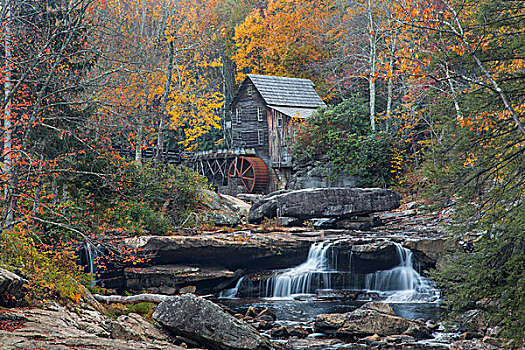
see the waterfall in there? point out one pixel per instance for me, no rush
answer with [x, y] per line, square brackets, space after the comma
[92, 253]
[305, 278]
[324, 270]
[232, 292]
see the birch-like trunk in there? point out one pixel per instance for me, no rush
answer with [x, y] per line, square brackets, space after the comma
[8, 142]
[390, 82]
[372, 61]
[164, 111]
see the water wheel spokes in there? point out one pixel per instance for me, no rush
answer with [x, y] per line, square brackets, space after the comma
[252, 172]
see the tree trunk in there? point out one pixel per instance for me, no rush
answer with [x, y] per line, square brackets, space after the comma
[8, 143]
[390, 83]
[164, 111]
[372, 60]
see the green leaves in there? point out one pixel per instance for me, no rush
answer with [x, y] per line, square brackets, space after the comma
[342, 135]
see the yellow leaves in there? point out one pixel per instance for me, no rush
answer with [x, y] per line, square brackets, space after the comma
[283, 41]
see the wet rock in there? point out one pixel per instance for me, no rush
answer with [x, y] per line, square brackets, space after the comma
[470, 336]
[208, 324]
[298, 332]
[399, 338]
[251, 312]
[267, 312]
[323, 203]
[167, 279]
[313, 344]
[473, 321]
[252, 251]
[419, 331]
[372, 318]
[379, 307]
[279, 332]
[265, 325]
[472, 345]
[11, 288]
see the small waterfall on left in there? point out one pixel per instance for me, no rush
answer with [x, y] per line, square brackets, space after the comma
[91, 254]
[232, 292]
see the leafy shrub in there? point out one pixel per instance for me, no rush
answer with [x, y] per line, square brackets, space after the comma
[52, 272]
[342, 134]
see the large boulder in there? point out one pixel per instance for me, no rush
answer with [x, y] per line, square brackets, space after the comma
[208, 324]
[224, 209]
[370, 319]
[324, 203]
[319, 175]
[11, 288]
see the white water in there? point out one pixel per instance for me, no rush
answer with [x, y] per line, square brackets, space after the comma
[401, 284]
[300, 279]
[92, 253]
[232, 292]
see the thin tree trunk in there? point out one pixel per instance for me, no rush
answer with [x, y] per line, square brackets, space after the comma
[372, 60]
[8, 143]
[390, 84]
[164, 111]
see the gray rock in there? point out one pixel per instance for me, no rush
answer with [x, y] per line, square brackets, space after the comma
[370, 319]
[208, 324]
[225, 209]
[309, 176]
[62, 329]
[324, 203]
[11, 288]
[135, 327]
[475, 344]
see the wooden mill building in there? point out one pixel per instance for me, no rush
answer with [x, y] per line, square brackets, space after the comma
[263, 114]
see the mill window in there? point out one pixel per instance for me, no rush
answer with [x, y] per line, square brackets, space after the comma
[260, 137]
[238, 115]
[259, 114]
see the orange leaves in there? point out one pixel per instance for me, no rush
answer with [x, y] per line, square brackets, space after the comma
[283, 41]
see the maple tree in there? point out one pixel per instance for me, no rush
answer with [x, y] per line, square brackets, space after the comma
[286, 38]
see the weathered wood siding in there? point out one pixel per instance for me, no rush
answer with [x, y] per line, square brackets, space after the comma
[280, 138]
[249, 130]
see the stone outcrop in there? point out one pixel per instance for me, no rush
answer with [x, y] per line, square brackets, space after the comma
[233, 251]
[58, 329]
[171, 279]
[224, 209]
[311, 203]
[317, 175]
[11, 287]
[208, 324]
[370, 319]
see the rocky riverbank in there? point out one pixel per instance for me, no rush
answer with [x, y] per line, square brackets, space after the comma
[212, 261]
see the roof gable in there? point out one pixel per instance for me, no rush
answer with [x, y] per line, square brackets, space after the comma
[283, 91]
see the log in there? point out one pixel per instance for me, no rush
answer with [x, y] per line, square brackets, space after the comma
[132, 299]
[135, 299]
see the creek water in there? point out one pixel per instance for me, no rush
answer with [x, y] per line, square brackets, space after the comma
[323, 282]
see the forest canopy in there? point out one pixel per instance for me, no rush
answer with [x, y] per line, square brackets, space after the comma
[424, 95]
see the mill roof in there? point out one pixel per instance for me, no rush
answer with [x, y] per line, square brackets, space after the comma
[284, 91]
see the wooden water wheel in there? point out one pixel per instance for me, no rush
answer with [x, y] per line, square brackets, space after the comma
[252, 172]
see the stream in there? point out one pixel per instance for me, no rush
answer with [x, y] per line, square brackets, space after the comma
[326, 284]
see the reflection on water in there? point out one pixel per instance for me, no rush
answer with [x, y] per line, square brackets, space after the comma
[306, 310]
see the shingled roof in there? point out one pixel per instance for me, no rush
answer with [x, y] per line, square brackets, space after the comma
[289, 92]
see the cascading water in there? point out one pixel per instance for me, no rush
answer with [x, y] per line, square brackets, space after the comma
[323, 271]
[305, 278]
[232, 292]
